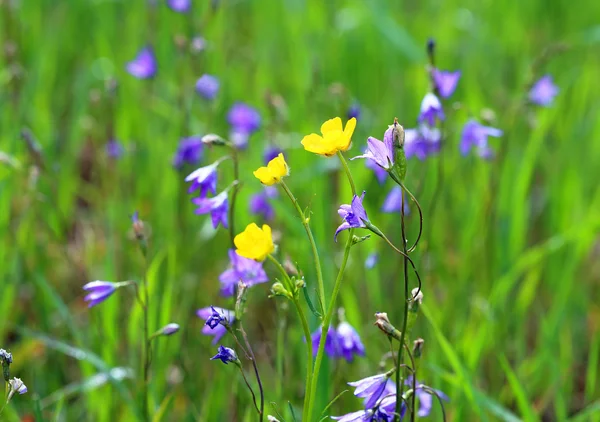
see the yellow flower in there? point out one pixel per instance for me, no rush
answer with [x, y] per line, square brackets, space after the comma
[334, 139]
[254, 243]
[273, 172]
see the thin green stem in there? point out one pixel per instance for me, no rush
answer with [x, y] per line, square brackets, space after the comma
[146, 371]
[236, 177]
[311, 239]
[347, 170]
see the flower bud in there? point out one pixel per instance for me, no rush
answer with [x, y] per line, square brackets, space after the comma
[418, 347]
[170, 329]
[300, 283]
[278, 289]
[398, 134]
[358, 239]
[240, 302]
[416, 299]
[5, 361]
[213, 139]
[383, 323]
[137, 226]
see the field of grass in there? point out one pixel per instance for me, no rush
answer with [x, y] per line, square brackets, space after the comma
[509, 257]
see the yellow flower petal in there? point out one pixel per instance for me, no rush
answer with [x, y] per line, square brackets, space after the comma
[273, 172]
[313, 143]
[254, 243]
[265, 176]
[331, 125]
[350, 126]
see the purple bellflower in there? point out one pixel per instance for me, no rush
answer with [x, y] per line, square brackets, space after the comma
[189, 151]
[249, 271]
[259, 204]
[204, 179]
[349, 343]
[271, 152]
[181, 6]
[431, 109]
[371, 260]
[114, 149]
[219, 331]
[393, 202]
[99, 291]
[354, 111]
[425, 396]
[217, 206]
[331, 342]
[207, 86]
[143, 66]
[244, 121]
[543, 91]
[381, 153]
[371, 389]
[226, 355]
[16, 385]
[354, 215]
[475, 135]
[170, 329]
[445, 82]
[215, 318]
[422, 142]
[380, 174]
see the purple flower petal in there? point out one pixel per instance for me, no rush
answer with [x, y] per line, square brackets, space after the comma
[143, 66]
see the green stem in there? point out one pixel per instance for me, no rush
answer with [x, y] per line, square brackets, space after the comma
[347, 170]
[305, 328]
[313, 245]
[236, 177]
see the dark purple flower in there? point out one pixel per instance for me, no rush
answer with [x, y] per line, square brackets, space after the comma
[99, 291]
[445, 82]
[207, 86]
[259, 204]
[215, 318]
[270, 152]
[243, 269]
[181, 6]
[170, 329]
[381, 153]
[143, 66]
[371, 260]
[393, 202]
[475, 135]
[431, 109]
[219, 331]
[217, 206]
[226, 355]
[189, 151]
[114, 149]
[354, 111]
[543, 91]
[349, 342]
[204, 179]
[422, 142]
[331, 342]
[354, 215]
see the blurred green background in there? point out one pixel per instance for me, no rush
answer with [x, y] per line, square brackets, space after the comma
[509, 258]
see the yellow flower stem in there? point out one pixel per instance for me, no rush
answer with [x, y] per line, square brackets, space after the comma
[330, 309]
[313, 245]
[305, 328]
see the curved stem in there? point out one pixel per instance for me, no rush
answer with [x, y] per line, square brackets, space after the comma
[412, 264]
[313, 245]
[347, 170]
[261, 411]
[405, 189]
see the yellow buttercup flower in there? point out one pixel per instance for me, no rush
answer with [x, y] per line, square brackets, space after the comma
[273, 172]
[334, 138]
[254, 243]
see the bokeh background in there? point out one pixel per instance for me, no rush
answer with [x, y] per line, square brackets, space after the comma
[509, 258]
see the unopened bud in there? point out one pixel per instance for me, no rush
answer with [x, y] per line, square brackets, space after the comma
[170, 329]
[278, 289]
[397, 134]
[138, 226]
[383, 323]
[418, 347]
[358, 239]
[213, 139]
[240, 302]
[5, 361]
[416, 299]
[272, 418]
[300, 283]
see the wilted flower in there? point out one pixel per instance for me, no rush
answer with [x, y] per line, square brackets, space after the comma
[219, 331]
[543, 91]
[207, 86]
[273, 172]
[114, 149]
[5, 357]
[334, 138]
[431, 109]
[16, 386]
[331, 342]
[189, 151]
[226, 355]
[445, 82]
[205, 179]
[217, 206]
[254, 243]
[422, 141]
[170, 329]
[371, 260]
[244, 121]
[393, 202]
[247, 270]
[354, 111]
[474, 135]
[143, 66]
[181, 6]
[99, 291]
[349, 342]
[354, 215]
[381, 153]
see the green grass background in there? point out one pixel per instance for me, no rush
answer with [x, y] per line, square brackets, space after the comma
[509, 258]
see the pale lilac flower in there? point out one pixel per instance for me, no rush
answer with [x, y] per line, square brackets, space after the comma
[445, 82]
[371, 260]
[475, 135]
[422, 141]
[114, 149]
[226, 355]
[381, 153]
[207, 86]
[219, 331]
[204, 179]
[431, 109]
[331, 342]
[181, 6]
[260, 205]
[393, 202]
[198, 44]
[249, 271]
[99, 291]
[371, 388]
[16, 386]
[189, 151]
[143, 66]
[217, 206]
[349, 343]
[354, 215]
[543, 91]
[244, 121]
[358, 416]
[170, 329]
